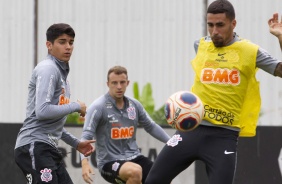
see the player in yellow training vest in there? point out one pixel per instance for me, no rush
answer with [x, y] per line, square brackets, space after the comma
[225, 66]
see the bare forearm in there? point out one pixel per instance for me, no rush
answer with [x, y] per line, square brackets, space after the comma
[84, 161]
[278, 70]
[280, 41]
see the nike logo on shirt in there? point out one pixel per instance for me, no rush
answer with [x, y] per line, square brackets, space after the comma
[221, 54]
[109, 116]
[228, 152]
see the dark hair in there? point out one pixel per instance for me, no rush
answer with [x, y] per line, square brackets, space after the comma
[56, 30]
[117, 70]
[222, 6]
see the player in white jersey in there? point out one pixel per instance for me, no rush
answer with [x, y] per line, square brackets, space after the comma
[112, 120]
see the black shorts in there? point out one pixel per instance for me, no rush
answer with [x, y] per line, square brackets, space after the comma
[215, 146]
[113, 176]
[42, 163]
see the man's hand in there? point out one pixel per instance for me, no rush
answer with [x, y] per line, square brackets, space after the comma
[82, 108]
[275, 27]
[86, 147]
[87, 171]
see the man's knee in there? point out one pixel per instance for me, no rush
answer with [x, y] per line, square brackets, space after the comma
[132, 172]
[135, 172]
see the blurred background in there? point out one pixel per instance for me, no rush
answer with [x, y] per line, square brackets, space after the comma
[153, 39]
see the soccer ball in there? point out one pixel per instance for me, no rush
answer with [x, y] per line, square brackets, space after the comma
[184, 111]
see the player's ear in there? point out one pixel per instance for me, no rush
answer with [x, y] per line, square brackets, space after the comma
[128, 81]
[48, 45]
[234, 22]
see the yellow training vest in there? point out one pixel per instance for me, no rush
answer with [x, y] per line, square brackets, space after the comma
[225, 82]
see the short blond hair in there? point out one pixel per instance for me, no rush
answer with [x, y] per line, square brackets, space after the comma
[117, 70]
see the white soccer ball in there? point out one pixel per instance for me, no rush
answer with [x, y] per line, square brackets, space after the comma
[184, 111]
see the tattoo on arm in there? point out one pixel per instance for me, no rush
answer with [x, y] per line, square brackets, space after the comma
[278, 70]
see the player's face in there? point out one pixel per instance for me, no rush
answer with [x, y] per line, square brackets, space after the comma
[117, 85]
[61, 48]
[220, 28]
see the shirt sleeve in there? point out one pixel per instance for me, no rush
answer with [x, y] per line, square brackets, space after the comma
[150, 126]
[69, 139]
[266, 62]
[196, 45]
[47, 79]
[92, 119]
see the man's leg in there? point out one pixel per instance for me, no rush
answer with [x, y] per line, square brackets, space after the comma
[178, 154]
[220, 155]
[146, 165]
[23, 160]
